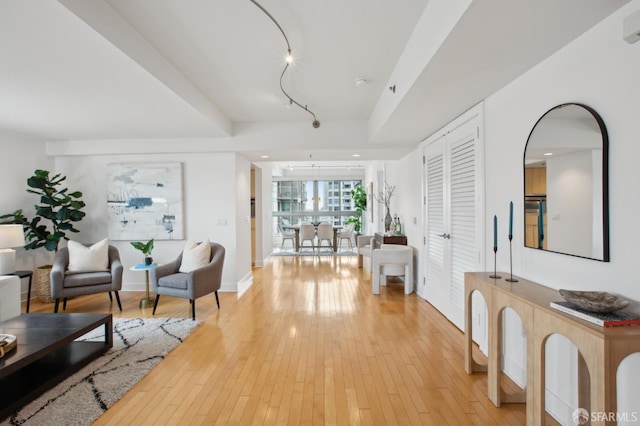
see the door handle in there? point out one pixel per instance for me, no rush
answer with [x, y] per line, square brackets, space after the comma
[447, 236]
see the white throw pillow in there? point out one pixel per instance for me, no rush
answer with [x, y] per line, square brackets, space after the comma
[195, 255]
[88, 259]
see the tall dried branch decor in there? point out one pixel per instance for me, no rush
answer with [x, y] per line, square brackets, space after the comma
[384, 197]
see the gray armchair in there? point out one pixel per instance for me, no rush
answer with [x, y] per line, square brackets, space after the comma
[167, 280]
[65, 284]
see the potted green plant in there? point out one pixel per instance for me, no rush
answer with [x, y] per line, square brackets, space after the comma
[146, 249]
[55, 215]
[359, 197]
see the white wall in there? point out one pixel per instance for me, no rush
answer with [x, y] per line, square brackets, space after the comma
[21, 156]
[406, 175]
[216, 186]
[600, 70]
[241, 250]
[267, 211]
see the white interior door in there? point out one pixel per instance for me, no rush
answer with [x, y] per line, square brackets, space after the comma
[437, 247]
[453, 232]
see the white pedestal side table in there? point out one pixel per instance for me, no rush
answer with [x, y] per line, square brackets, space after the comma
[147, 301]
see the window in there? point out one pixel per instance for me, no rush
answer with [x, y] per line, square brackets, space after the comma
[312, 201]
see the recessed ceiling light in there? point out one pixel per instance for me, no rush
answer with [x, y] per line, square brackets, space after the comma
[360, 81]
[264, 156]
[548, 153]
[356, 155]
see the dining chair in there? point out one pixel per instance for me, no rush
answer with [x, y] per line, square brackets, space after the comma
[287, 235]
[307, 233]
[325, 233]
[346, 234]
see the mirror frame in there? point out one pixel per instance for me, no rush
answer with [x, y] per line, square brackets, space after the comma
[605, 181]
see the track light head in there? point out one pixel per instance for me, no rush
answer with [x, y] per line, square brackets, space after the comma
[289, 60]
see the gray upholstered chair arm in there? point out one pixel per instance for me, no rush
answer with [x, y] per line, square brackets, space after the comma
[60, 264]
[116, 274]
[205, 273]
[167, 268]
[214, 268]
[116, 267]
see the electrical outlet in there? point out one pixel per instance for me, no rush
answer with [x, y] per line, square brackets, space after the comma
[222, 221]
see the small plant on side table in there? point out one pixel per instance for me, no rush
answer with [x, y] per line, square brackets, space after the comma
[146, 249]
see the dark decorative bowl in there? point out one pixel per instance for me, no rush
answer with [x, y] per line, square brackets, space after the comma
[595, 301]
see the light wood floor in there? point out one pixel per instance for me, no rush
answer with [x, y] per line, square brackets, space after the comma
[307, 344]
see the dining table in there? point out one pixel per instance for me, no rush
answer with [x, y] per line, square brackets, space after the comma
[296, 229]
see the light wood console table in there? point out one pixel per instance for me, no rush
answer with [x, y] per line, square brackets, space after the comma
[601, 349]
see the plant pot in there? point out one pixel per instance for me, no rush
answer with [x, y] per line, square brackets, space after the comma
[43, 284]
[148, 260]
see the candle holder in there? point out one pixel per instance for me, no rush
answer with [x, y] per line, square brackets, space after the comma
[511, 279]
[495, 273]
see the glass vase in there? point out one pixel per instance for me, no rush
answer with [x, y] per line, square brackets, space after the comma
[387, 221]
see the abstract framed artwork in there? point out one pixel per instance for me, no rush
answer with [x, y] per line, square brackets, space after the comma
[144, 201]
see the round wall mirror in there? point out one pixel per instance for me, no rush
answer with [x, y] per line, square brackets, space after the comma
[565, 183]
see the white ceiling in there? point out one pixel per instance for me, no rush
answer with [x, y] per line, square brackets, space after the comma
[127, 69]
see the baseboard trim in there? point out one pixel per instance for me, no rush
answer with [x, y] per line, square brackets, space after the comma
[245, 284]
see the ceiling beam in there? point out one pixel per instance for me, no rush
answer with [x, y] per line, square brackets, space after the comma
[434, 26]
[100, 16]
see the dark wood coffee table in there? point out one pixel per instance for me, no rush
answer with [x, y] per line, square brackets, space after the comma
[46, 353]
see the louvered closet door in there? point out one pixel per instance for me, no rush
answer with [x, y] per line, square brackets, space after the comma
[452, 225]
[437, 249]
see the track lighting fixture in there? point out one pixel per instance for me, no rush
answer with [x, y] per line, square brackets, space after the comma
[289, 60]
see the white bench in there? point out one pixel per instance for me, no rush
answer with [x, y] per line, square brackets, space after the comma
[9, 296]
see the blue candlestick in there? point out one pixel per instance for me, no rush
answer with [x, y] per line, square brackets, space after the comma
[510, 219]
[495, 246]
[540, 224]
[495, 232]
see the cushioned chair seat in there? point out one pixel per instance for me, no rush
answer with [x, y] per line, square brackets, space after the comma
[178, 281]
[86, 278]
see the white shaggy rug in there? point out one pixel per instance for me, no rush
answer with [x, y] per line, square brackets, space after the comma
[138, 345]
